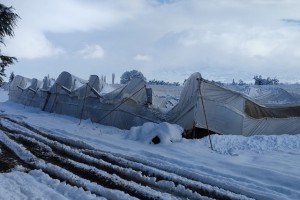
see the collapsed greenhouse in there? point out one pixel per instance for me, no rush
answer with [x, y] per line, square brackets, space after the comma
[201, 104]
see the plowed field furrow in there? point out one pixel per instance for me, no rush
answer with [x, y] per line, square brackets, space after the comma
[9, 160]
[124, 173]
[77, 169]
[133, 176]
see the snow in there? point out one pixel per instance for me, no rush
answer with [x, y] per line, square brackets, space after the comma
[166, 133]
[38, 185]
[258, 144]
[270, 94]
[260, 167]
[3, 95]
[165, 97]
[107, 88]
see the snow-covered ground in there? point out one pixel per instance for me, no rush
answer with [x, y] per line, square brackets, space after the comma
[260, 167]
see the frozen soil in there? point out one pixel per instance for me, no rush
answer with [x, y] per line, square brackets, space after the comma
[9, 160]
[134, 178]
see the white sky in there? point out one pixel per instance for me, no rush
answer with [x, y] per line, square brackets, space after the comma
[164, 39]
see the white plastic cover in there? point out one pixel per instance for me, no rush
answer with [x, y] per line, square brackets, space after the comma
[202, 104]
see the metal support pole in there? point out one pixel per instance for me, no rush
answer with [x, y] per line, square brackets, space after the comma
[205, 115]
[83, 104]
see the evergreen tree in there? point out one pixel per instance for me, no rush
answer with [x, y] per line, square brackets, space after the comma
[8, 21]
[233, 82]
[241, 82]
[128, 75]
[11, 77]
[259, 80]
[156, 82]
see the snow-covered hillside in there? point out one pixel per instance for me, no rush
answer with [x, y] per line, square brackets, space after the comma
[258, 167]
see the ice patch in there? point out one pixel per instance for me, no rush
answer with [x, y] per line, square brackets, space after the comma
[152, 133]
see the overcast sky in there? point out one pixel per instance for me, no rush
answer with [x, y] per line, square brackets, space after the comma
[164, 39]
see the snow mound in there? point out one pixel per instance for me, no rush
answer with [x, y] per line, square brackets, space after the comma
[152, 133]
[259, 143]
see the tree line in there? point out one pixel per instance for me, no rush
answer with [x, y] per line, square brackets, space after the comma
[128, 75]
